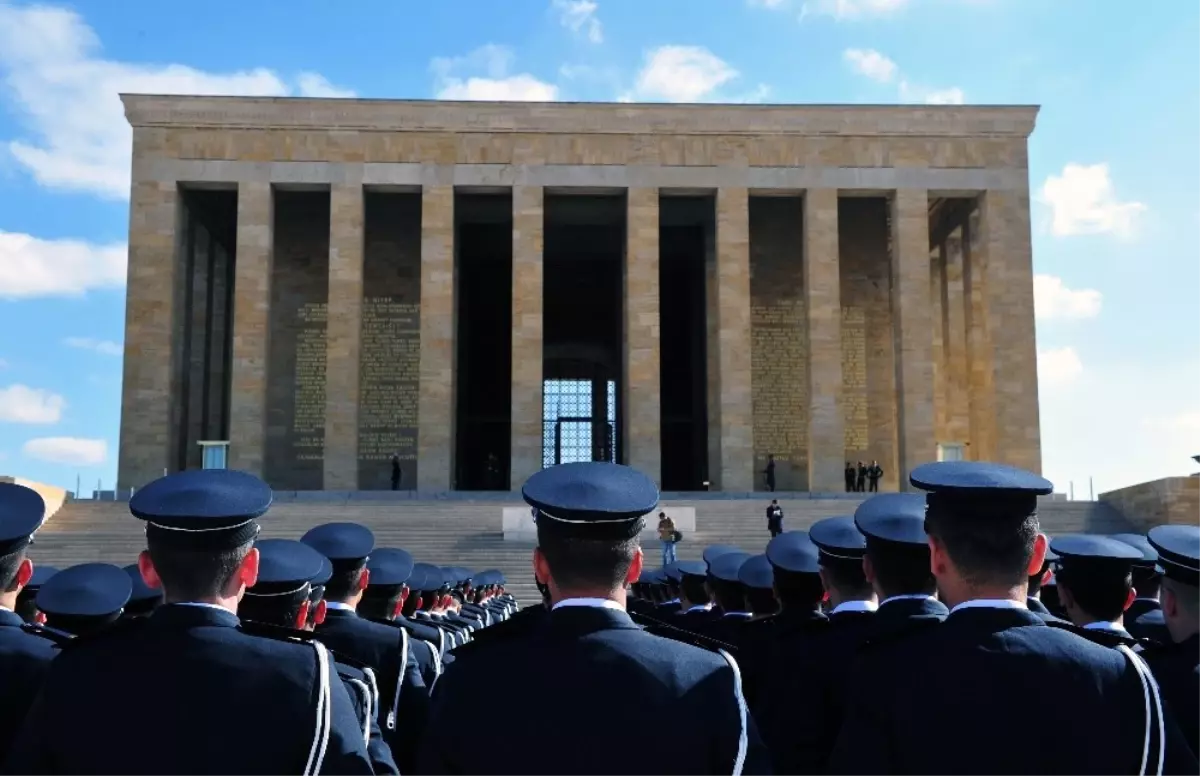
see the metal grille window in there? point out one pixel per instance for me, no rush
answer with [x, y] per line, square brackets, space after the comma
[571, 431]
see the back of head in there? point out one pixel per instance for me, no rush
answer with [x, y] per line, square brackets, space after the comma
[897, 549]
[795, 565]
[1094, 576]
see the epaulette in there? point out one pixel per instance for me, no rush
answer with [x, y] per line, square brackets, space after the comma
[118, 628]
[59, 639]
[682, 634]
[275, 632]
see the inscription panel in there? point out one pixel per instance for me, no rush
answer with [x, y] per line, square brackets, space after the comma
[854, 381]
[778, 341]
[390, 356]
[295, 444]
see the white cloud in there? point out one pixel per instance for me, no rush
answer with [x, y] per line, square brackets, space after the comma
[1052, 299]
[1083, 201]
[911, 93]
[579, 16]
[452, 83]
[848, 10]
[772, 4]
[31, 267]
[680, 74]
[317, 85]
[1058, 366]
[22, 404]
[67, 95]
[103, 347]
[871, 63]
[67, 450]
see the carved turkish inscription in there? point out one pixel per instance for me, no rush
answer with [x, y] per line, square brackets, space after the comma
[779, 382]
[854, 379]
[390, 363]
[308, 415]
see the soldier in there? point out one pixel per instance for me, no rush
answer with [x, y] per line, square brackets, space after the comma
[1095, 585]
[679, 709]
[774, 519]
[143, 599]
[671, 576]
[384, 599]
[404, 697]
[27, 598]
[1177, 664]
[279, 605]
[695, 604]
[726, 589]
[188, 674]
[25, 651]
[970, 678]
[84, 599]
[802, 705]
[1144, 617]
[1033, 597]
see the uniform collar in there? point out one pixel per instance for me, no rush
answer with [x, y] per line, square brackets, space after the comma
[338, 606]
[1104, 626]
[738, 614]
[854, 606]
[600, 603]
[989, 603]
[10, 619]
[907, 597]
[194, 614]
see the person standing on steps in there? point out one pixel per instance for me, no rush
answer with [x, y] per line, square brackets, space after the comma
[874, 472]
[395, 471]
[860, 482]
[669, 538]
[775, 518]
[849, 477]
[769, 473]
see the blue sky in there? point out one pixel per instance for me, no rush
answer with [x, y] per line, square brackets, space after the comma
[1114, 164]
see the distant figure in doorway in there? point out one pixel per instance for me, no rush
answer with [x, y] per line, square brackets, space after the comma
[769, 472]
[849, 477]
[860, 483]
[395, 471]
[775, 518]
[492, 472]
[669, 538]
[873, 474]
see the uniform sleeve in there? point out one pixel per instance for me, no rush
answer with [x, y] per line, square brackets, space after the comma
[435, 751]
[738, 749]
[863, 741]
[30, 748]
[412, 713]
[793, 716]
[363, 700]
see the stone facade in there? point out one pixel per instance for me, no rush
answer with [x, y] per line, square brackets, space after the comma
[831, 334]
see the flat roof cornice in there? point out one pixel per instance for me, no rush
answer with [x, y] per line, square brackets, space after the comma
[147, 110]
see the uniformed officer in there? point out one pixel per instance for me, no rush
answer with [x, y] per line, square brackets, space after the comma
[970, 678]
[1177, 665]
[187, 674]
[727, 590]
[404, 697]
[279, 605]
[383, 601]
[84, 599]
[802, 710]
[670, 579]
[896, 564]
[429, 607]
[603, 695]
[695, 602]
[1033, 597]
[25, 652]
[143, 599]
[1095, 585]
[27, 598]
[1144, 617]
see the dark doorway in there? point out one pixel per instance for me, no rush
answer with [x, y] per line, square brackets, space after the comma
[483, 241]
[686, 226]
[583, 327]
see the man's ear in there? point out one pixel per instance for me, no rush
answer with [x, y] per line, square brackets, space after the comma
[302, 616]
[939, 561]
[24, 573]
[635, 567]
[319, 614]
[1129, 599]
[364, 579]
[149, 573]
[1038, 559]
[541, 569]
[397, 608]
[247, 573]
[868, 569]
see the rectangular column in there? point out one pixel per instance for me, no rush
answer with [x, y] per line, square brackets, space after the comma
[954, 332]
[733, 341]
[527, 358]
[823, 302]
[435, 424]
[912, 328]
[643, 416]
[981, 407]
[1005, 240]
[251, 327]
[937, 261]
[343, 336]
[146, 447]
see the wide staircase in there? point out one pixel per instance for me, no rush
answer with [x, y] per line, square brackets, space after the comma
[467, 532]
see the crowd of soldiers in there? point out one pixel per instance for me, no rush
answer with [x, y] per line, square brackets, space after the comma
[919, 635]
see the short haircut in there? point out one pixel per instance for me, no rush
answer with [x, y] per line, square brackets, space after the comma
[8, 569]
[343, 583]
[900, 569]
[731, 596]
[846, 576]
[280, 610]
[81, 625]
[1099, 594]
[692, 588]
[994, 549]
[1147, 581]
[798, 591]
[587, 563]
[761, 601]
[379, 601]
[27, 605]
[193, 575]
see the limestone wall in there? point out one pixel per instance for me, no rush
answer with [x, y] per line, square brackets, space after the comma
[54, 497]
[1169, 501]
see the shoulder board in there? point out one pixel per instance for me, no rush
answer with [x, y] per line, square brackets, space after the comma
[61, 639]
[348, 661]
[1101, 637]
[682, 634]
[275, 632]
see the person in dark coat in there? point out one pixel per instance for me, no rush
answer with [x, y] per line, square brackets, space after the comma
[1095, 585]
[603, 695]
[396, 471]
[383, 600]
[727, 590]
[207, 696]
[26, 605]
[769, 473]
[1144, 617]
[850, 477]
[801, 704]
[1176, 665]
[695, 603]
[860, 480]
[403, 694]
[774, 519]
[874, 474]
[84, 599]
[970, 677]
[1043, 576]
[25, 650]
